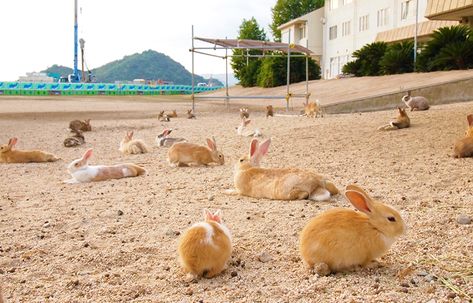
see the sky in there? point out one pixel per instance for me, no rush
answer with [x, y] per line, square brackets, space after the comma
[39, 33]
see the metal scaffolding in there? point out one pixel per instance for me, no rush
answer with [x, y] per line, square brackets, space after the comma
[245, 44]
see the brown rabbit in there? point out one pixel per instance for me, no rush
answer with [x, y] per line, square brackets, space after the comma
[342, 239]
[173, 114]
[163, 117]
[128, 145]
[244, 114]
[464, 147]
[269, 111]
[190, 115]
[402, 121]
[81, 125]
[183, 154]
[9, 155]
[205, 247]
[74, 140]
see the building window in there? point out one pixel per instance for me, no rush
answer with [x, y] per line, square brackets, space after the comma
[346, 28]
[302, 32]
[333, 4]
[332, 34]
[405, 9]
[363, 23]
[383, 17]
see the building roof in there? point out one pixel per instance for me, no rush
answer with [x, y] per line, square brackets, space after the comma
[256, 44]
[300, 20]
[425, 28]
[449, 9]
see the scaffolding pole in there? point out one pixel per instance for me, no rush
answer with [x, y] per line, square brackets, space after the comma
[193, 80]
[288, 95]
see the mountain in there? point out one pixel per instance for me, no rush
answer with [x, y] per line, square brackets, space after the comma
[149, 65]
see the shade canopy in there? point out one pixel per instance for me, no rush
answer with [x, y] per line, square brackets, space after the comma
[256, 44]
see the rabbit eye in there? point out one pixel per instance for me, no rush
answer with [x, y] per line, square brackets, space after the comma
[220, 156]
[392, 219]
[241, 160]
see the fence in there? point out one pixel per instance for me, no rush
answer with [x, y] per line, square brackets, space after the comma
[108, 89]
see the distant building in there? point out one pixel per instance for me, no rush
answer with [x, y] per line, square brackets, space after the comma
[306, 31]
[36, 77]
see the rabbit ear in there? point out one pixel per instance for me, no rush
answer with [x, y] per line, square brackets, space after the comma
[253, 147]
[167, 131]
[130, 134]
[359, 200]
[470, 119]
[211, 144]
[88, 154]
[264, 147]
[207, 214]
[217, 216]
[13, 142]
[246, 122]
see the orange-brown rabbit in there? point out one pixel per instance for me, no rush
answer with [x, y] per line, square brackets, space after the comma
[342, 239]
[277, 183]
[184, 154]
[205, 247]
[464, 147]
[10, 155]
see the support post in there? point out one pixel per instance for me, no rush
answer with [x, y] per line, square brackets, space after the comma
[288, 70]
[306, 73]
[193, 80]
[415, 34]
[227, 100]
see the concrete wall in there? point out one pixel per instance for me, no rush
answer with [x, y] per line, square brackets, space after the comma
[457, 91]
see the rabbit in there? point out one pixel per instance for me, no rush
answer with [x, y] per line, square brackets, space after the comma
[402, 121]
[415, 103]
[82, 172]
[163, 139]
[277, 183]
[269, 111]
[464, 147]
[162, 117]
[74, 140]
[173, 114]
[9, 155]
[183, 154]
[128, 145]
[244, 123]
[81, 125]
[313, 109]
[244, 114]
[343, 239]
[190, 115]
[205, 247]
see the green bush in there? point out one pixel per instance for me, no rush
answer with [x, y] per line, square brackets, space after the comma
[450, 48]
[367, 60]
[398, 59]
[273, 71]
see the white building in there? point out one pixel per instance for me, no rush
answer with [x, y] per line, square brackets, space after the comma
[335, 31]
[306, 31]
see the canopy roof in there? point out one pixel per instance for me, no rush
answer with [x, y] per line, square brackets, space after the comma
[256, 44]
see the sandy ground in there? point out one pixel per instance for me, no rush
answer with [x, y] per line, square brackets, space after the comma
[116, 241]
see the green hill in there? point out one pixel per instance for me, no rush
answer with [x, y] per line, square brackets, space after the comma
[149, 65]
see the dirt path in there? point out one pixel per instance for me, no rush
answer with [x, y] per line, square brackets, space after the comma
[116, 241]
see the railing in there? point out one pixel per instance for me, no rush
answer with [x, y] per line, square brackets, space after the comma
[109, 89]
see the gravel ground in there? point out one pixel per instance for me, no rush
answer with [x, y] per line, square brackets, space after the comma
[116, 241]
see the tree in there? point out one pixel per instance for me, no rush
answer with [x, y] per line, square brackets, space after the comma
[273, 71]
[286, 10]
[367, 62]
[398, 59]
[246, 69]
[450, 48]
